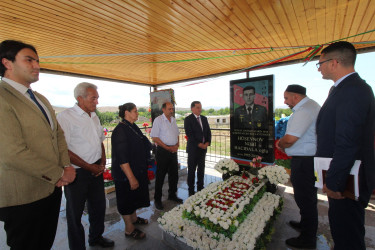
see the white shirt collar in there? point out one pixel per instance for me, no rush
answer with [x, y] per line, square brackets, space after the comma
[18, 86]
[304, 100]
[80, 111]
[342, 78]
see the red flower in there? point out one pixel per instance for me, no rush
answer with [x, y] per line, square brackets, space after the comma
[145, 124]
[255, 180]
[107, 175]
[186, 137]
[280, 155]
[150, 174]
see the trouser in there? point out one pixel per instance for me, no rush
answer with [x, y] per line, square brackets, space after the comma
[305, 194]
[33, 225]
[86, 187]
[196, 158]
[166, 163]
[347, 220]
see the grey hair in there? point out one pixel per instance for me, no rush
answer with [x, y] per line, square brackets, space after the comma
[81, 89]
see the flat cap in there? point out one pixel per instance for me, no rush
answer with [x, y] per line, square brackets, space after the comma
[295, 88]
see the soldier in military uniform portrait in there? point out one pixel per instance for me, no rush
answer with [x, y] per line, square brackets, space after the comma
[250, 115]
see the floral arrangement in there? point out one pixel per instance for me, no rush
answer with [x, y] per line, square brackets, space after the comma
[221, 208]
[274, 173]
[227, 166]
[107, 176]
[256, 162]
[281, 158]
[105, 131]
[237, 213]
[253, 233]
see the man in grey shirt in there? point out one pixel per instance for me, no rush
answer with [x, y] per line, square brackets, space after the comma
[299, 142]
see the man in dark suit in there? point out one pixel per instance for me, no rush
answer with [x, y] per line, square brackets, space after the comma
[250, 115]
[345, 133]
[33, 152]
[199, 138]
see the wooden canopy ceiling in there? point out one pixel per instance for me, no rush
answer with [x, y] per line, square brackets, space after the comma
[157, 42]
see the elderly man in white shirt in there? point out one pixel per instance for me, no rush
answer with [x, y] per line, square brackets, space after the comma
[84, 136]
[165, 134]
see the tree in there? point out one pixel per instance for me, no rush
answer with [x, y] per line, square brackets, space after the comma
[286, 112]
[106, 117]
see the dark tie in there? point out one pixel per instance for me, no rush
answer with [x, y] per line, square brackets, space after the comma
[249, 110]
[199, 121]
[32, 96]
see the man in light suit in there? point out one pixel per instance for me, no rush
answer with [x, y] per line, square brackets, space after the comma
[34, 161]
[250, 115]
[345, 133]
[198, 133]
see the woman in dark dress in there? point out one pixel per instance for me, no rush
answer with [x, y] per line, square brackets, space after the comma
[130, 151]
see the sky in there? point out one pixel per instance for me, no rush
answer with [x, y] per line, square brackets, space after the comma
[212, 93]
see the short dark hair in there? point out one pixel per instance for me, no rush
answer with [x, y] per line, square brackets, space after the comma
[165, 105]
[248, 88]
[194, 103]
[129, 106]
[343, 51]
[9, 49]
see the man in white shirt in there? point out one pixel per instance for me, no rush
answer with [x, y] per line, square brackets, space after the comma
[300, 143]
[84, 136]
[165, 134]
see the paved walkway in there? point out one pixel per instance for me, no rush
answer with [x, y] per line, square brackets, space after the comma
[154, 239]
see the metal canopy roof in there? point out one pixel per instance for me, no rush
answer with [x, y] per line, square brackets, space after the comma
[157, 42]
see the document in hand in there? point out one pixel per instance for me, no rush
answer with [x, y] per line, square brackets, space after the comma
[321, 166]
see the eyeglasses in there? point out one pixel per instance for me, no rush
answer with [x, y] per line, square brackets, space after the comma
[320, 63]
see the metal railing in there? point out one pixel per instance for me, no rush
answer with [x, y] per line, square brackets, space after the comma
[219, 149]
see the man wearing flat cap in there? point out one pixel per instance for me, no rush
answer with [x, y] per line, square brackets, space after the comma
[299, 142]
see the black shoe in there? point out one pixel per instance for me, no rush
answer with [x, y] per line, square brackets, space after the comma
[158, 205]
[295, 225]
[103, 242]
[176, 199]
[299, 242]
[191, 193]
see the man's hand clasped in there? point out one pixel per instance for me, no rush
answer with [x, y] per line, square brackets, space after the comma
[68, 177]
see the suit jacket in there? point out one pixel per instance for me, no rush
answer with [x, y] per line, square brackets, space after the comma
[345, 132]
[32, 155]
[194, 132]
[257, 120]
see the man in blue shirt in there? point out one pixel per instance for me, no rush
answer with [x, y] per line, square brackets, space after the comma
[300, 143]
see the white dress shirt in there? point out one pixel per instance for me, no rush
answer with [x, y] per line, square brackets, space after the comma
[167, 131]
[301, 124]
[83, 134]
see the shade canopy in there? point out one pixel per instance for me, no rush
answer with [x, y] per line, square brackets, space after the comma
[156, 42]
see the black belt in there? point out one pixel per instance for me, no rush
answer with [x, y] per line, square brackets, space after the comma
[98, 161]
